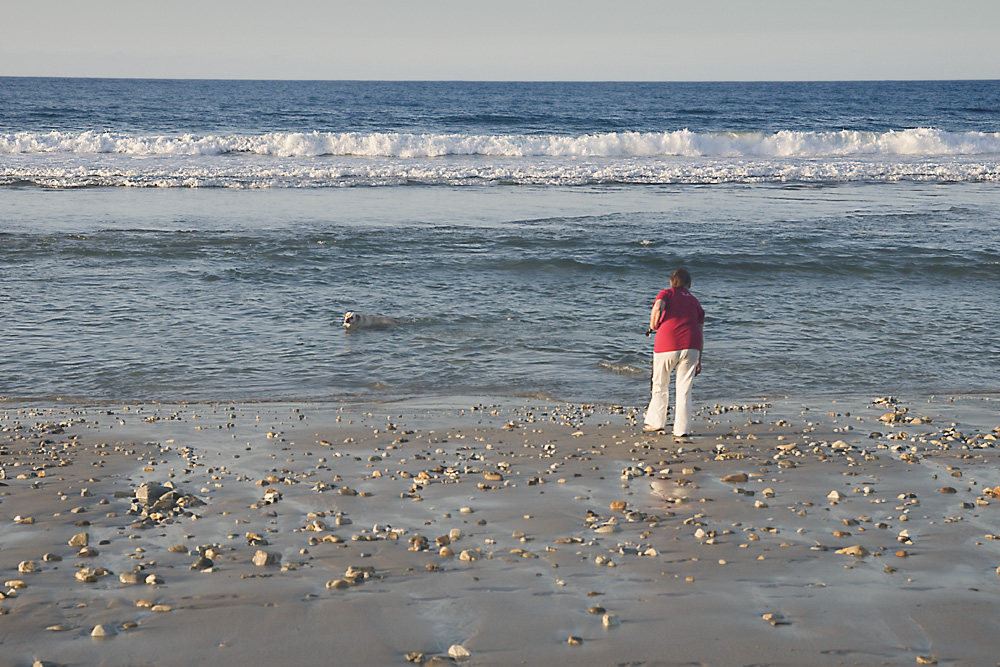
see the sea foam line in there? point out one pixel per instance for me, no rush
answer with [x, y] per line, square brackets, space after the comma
[680, 143]
[241, 173]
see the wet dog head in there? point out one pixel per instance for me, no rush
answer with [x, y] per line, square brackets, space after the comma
[350, 317]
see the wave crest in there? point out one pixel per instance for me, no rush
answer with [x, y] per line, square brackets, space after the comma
[680, 143]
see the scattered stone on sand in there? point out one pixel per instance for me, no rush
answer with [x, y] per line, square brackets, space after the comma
[514, 478]
[202, 563]
[458, 652]
[86, 575]
[263, 558]
[776, 619]
[574, 640]
[101, 631]
[857, 550]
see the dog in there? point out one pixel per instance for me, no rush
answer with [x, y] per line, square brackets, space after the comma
[353, 320]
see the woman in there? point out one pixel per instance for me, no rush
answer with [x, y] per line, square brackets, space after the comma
[678, 319]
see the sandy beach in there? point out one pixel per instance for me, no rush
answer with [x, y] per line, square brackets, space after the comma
[500, 532]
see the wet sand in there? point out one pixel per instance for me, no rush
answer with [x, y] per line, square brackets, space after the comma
[784, 532]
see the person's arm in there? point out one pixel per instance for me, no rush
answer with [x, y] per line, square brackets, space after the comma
[655, 314]
[701, 325]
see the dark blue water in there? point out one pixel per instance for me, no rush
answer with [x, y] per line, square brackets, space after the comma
[254, 107]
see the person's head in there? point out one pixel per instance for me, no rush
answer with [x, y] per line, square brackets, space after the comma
[680, 278]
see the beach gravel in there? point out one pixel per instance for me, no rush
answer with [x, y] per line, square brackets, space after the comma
[509, 529]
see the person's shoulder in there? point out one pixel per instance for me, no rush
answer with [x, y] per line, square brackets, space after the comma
[664, 293]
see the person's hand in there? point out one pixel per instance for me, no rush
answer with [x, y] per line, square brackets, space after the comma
[697, 368]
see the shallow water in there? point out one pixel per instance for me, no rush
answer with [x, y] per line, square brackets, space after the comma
[213, 294]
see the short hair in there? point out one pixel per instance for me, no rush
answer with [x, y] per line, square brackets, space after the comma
[680, 278]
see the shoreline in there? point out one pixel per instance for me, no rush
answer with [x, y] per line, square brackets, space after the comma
[510, 527]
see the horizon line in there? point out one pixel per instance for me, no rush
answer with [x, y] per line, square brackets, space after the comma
[462, 80]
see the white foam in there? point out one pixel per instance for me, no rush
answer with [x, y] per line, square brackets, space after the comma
[784, 159]
[681, 143]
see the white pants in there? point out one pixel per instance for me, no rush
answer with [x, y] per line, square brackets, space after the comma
[684, 362]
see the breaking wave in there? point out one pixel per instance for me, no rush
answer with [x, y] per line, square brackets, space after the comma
[680, 143]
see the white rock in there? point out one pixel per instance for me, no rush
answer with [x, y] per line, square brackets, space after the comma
[458, 652]
[101, 631]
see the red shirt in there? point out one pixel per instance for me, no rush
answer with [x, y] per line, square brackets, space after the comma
[681, 320]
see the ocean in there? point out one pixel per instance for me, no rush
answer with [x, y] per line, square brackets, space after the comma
[200, 240]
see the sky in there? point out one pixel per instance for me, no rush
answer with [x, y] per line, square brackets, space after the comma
[511, 40]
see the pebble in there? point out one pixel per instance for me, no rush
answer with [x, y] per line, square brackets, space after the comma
[856, 550]
[86, 575]
[458, 652]
[203, 563]
[610, 620]
[100, 631]
[263, 558]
